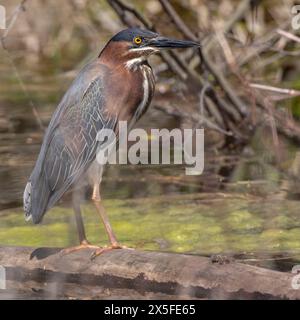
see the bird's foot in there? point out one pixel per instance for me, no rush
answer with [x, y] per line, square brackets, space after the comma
[83, 245]
[113, 246]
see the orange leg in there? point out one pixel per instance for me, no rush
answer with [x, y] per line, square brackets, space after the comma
[101, 210]
[83, 242]
[81, 246]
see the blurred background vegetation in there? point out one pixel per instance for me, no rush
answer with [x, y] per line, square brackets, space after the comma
[242, 88]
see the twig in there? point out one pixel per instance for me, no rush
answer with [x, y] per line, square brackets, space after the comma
[291, 92]
[288, 93]
[288, 35]
[201, 100]
[177, 20]
[270, 108]
[116, 4]
[236, 101]
[231, 61]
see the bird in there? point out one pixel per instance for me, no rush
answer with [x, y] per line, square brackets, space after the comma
[118, 85]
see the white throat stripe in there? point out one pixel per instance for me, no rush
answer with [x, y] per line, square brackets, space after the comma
[133, 63]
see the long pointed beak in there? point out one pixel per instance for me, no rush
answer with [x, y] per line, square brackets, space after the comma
[166, 43]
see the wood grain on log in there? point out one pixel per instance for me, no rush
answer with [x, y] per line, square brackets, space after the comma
[45, 273]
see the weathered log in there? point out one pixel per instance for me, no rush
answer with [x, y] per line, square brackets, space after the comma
[46, 273]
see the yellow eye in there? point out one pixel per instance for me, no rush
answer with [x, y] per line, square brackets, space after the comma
[137, 40]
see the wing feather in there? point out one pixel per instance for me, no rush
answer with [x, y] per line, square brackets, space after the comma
[70, 144]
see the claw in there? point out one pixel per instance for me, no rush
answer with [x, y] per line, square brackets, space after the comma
[84, 245]
[99, 251]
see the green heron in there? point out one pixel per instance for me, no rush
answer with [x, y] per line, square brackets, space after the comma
[117, 86]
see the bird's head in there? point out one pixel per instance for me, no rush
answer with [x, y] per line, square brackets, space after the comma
[133, 46]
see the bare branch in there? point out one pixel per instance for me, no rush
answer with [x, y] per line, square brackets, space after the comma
[288, 35]
[291, 92]
[177, 20]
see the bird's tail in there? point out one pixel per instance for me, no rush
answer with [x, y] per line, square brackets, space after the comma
[35, 198]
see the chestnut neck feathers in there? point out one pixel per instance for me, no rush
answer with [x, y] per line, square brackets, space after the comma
[130, 77]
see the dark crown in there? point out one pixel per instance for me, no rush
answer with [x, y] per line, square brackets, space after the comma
[131, 33]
